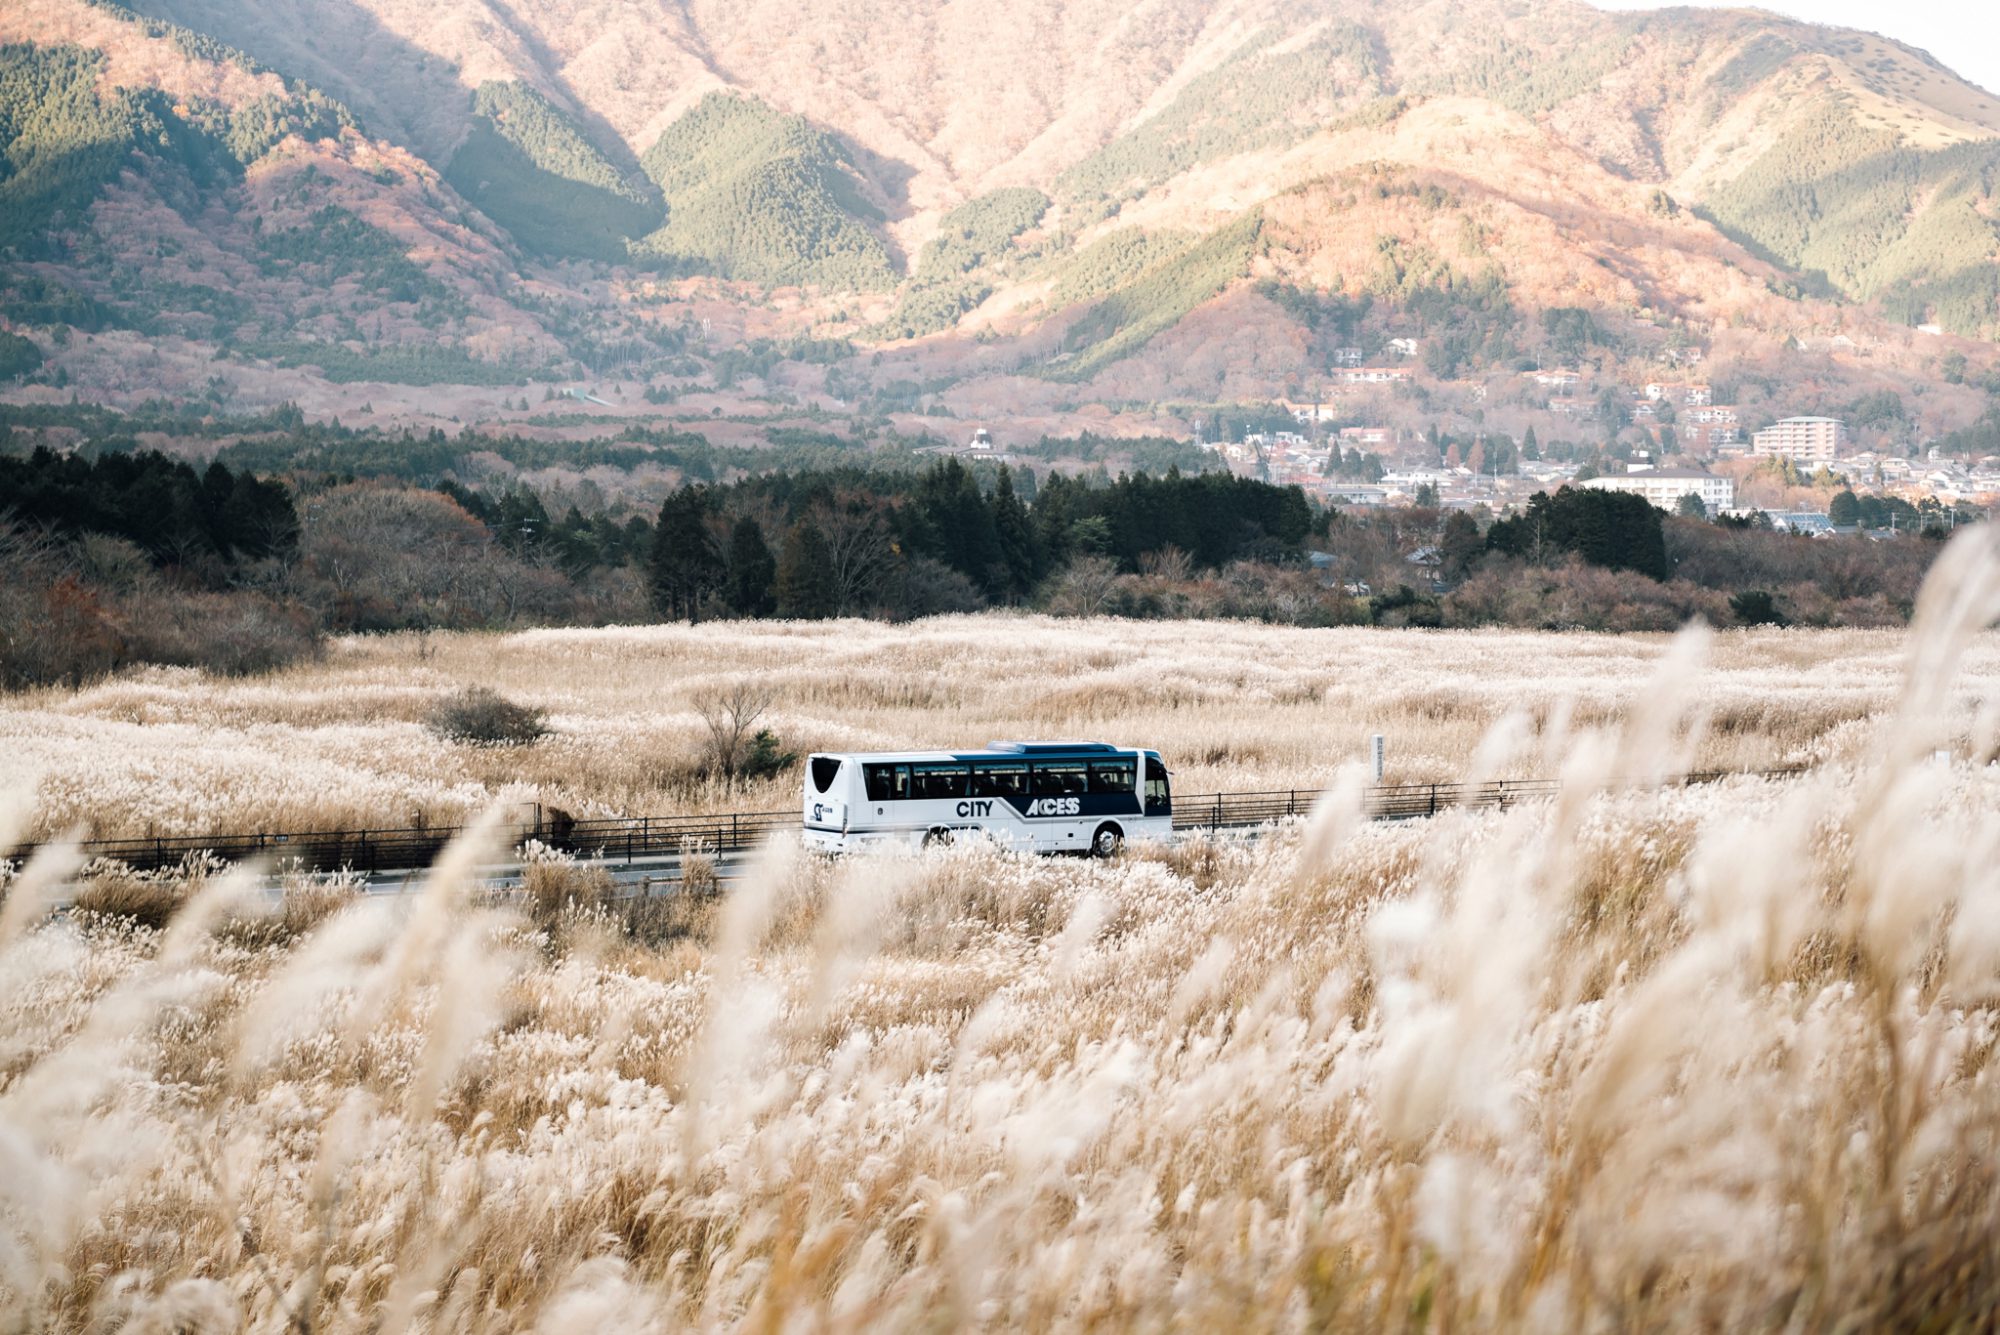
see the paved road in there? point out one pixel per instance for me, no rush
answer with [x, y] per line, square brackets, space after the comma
[638, 876]
[650, 875]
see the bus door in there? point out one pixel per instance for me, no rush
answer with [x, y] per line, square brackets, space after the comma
[1159, 800]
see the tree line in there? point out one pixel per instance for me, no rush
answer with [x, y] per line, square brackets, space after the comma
[846, 542]
[161, 505]
[136, 557]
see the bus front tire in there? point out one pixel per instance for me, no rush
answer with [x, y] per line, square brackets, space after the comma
[937, 837]
[1107, 841]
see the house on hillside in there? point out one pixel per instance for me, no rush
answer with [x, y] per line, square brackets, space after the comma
[1703, 437]
[1685, 395]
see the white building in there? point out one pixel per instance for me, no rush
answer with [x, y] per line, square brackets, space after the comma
[1664, 487]
[1693, 396]
[1806, 439]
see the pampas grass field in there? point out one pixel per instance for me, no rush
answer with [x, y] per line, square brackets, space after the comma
[341, 744]
[1682, 1058]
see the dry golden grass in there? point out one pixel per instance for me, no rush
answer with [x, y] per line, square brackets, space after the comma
[1234, 706]
[1683, 1059]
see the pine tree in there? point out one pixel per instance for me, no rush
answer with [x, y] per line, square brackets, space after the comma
[1015, 535]
[805, 574]
[685, 567]
[960, 522]
[753, 572]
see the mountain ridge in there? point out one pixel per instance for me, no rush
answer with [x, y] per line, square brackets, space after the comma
[529, 160]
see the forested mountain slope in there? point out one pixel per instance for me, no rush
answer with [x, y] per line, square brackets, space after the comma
[475, 190]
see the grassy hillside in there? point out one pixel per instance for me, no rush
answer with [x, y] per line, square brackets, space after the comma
[63, 140]
[1916, 228]
[334, 246]
[1257, 98]
[1155, 301]
[531, 168]
[1529, 77]
[978, 232]
[755, 194]
[952, 275]
[59, 143]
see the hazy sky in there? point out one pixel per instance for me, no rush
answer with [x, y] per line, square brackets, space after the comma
[1963, 34]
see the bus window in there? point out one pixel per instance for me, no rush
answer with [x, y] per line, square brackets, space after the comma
[1062, 779]
[1159, 802]
[1000, 780]
[935, 781]
[1111, 776]
[824, 770]
[886, 783]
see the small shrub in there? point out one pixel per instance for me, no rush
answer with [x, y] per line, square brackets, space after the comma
[1405, 607]
[145, 898]
[766, 757]
[1756, 607]
[554, 884]
[484, 717]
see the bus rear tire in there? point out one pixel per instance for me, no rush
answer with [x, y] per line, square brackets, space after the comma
[937, 838]
[1106, 841]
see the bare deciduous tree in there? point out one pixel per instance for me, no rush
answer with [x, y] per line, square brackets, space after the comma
[1085, 587]
[860, 550]
[730, 712]
[1168, 563]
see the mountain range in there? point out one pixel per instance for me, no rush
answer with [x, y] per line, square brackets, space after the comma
[1028, 207]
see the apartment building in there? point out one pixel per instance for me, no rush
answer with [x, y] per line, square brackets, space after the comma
[1803, 439]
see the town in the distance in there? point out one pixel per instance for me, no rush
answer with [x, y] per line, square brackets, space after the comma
[1668, 440]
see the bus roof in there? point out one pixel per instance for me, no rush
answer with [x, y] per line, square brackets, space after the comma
[1054, 748]
[1000, 751]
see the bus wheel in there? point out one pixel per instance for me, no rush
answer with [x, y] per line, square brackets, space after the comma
[1107, 841]
[937, 837]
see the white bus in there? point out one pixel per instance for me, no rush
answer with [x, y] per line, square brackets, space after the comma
[1049, 797]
